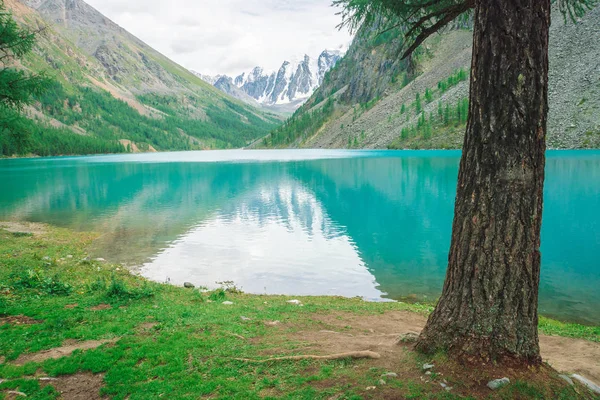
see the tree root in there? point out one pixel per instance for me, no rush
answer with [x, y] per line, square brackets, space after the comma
[352, 354]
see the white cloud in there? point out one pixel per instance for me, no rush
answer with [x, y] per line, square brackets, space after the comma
[230, 36]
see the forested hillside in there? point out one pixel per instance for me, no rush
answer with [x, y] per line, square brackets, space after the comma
[110, 92]
[372, 99]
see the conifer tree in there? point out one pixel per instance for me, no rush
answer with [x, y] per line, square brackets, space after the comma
[488, 308]
[16, 85]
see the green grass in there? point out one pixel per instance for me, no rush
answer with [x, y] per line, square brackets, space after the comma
[189, 349]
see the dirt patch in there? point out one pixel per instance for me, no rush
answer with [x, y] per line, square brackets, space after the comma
[24, 227]
[84, 386]
[71, 306]
[572, 355]
[19, 320]
[64, 351]
[146, 327]
[101, 307]
[344, 332]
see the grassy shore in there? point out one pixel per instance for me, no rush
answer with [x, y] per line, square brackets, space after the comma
[90, 329]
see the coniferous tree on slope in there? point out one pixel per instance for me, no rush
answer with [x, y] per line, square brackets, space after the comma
[16, 85]
[488, 307]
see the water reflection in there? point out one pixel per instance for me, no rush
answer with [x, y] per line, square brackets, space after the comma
[276, 239]
[375, 224]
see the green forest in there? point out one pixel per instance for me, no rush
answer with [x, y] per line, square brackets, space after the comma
[106, 119]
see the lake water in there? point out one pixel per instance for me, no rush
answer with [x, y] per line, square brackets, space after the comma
[374, 224]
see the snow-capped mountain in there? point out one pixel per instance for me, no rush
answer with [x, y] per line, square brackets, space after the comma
[207, 78]
[293, 83]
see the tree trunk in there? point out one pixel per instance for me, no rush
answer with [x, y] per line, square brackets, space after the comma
[488, 307]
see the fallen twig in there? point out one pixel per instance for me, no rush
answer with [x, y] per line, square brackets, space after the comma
[352, 354]
[236, 335]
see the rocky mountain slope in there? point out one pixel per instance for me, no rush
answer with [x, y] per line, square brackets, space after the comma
[373, 100]
[110, 86]
[289, 86]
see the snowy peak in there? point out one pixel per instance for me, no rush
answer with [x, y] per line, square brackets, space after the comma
[293, 82]
[207, 78]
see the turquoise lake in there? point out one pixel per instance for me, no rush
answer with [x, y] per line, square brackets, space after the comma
[374, 224]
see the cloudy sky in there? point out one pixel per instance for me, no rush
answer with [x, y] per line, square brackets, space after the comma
[230, 36]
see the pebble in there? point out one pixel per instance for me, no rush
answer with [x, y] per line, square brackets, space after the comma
[188, 285]
[371, 388]
[590, 385]
[498, 383]
[445, 386]
[428, 366]
[227, 303]
[390, 375]
[428, 373]
[100, 259]
[297, 302]
[245, 318]
[381, 382]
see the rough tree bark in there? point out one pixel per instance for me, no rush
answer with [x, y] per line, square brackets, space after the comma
[488, 308]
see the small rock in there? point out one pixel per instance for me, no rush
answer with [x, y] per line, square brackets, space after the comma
[498, 383]
[297, 302]
[428, 366]
[566, 379]
[245, 318]
[381, 382]
[589, 384]
[428, 373]
[100, 259]
[390, 375]
[445, 386]
[227, 303]
[370, 388]
[188, 285]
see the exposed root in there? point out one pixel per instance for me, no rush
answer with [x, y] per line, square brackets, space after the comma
[352, 354]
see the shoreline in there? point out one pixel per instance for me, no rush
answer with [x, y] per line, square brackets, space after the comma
[33, 156]
[134, 269]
